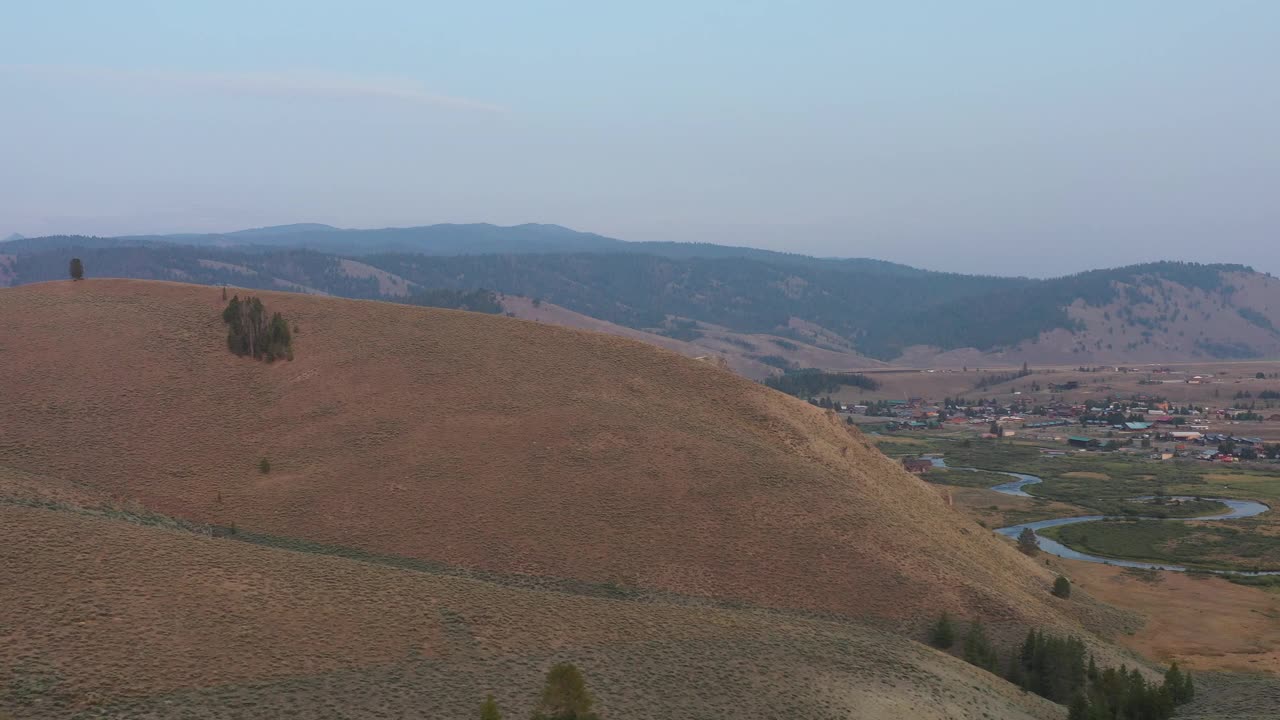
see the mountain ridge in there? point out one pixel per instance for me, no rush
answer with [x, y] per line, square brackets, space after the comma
[866, 311]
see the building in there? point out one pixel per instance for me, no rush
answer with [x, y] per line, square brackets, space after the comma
[916, 466]
[1080, 442]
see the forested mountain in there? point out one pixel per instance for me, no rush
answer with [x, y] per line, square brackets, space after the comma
[880, 310]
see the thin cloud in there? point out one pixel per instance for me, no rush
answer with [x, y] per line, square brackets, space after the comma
[266, 84]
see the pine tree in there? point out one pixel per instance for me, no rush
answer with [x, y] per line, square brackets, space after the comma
[76, 269]
[977, 648]
[565, 696]
[1179, 685]
[1079, 707]
[489, 709]
[1028, 542]
[943, 634]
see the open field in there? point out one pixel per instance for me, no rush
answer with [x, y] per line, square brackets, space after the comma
[1203, 621]
[965, 478]
[995, 510]
[108, 618]
[1228, 545]
[1220, 381]
[1085, 483]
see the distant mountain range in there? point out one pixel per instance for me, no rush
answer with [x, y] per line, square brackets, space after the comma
[811, 312]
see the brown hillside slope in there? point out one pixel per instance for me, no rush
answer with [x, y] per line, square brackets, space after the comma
[1174, 323]
[740, 350]
[485, 442]
[114, 619]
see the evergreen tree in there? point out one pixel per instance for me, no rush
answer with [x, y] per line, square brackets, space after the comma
[1028, 542]
[1079, 707]
[250, 331]
[76, 269]
[977, 647]
[489, 709]
[943, 633]
[565, 696]
[1179, 685]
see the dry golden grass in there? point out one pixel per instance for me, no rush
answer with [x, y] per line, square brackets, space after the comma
[1205, 623]
[484, 442]
[105, 618]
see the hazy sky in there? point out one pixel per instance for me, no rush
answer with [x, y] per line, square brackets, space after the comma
[1010, 137]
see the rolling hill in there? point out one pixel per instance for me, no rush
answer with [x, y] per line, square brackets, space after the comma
[447, 490]
[843, 314]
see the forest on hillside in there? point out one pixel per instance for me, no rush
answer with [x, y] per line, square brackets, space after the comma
[881, 308]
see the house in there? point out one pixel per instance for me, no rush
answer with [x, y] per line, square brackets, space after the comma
[1080, 442]
[916, 466]
[1137, 426]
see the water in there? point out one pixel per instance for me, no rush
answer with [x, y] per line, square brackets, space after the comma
[1235, 509]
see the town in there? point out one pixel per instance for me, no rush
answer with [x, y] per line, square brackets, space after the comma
[1159, 412]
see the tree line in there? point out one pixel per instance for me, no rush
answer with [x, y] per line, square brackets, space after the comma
[810, 382]
[1060, 669]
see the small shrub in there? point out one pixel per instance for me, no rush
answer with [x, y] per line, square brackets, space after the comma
[264, 466]
[1062, 587]
[565, 696]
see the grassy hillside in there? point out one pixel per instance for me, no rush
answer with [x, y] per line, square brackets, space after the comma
[455, 502]
[482, 442]
[116, 618]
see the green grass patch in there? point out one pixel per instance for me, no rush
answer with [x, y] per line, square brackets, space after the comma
[966, 478]
[1210, 545]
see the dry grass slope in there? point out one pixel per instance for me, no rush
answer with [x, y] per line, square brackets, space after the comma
[105, 618]
[485, 442]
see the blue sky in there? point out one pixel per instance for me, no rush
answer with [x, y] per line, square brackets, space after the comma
[1010, 137]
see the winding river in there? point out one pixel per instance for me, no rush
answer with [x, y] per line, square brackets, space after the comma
[1235, 509]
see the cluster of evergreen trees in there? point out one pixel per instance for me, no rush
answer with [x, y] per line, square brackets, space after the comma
[483, 301]
[564, 697]
[250, 331]
[1060, 669]
[987, 381]
[811, 383]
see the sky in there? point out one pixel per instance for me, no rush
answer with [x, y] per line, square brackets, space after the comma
[1005, 137]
